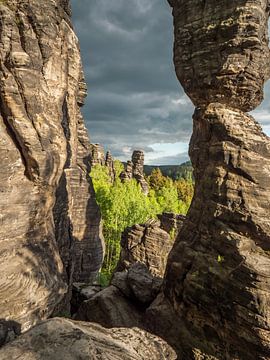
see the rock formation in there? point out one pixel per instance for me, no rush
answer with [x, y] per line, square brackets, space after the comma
[97, 154]
[50, 223]
[216, 299]
[146, 243]
[172, 223]
[63, 339]
[124, 302]
[98, 158]
[134, 169]
[110, 165]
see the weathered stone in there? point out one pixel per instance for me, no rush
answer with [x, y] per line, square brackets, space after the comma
[217, 283]
[124, 302]
[97, 155]
[110, 165]
[110, 308]
[63, 339]
[143, 284]
[221, 50]
[134, 169]
[171, 223]
[138, 174]
[146, 243]
[50, 223]
[80, 293]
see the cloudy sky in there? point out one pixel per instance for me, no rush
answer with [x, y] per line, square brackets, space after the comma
[134, 100]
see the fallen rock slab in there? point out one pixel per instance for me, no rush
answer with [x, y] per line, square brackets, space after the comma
[64, 339]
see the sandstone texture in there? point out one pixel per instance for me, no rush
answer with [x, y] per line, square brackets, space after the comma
[134, 170]
[124, 302]
[50, 222]
[172, 223]
[216, 298]
[63, 339]
[99, 158]
[146, 243]
[97, 154]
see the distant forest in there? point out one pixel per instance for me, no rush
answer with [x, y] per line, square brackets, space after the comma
[175, 172]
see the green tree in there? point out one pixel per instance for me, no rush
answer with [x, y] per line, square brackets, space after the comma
[124, 204]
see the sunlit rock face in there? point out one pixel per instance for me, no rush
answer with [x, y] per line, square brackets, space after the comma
[50, 223]
[216, 298]
[134, 170]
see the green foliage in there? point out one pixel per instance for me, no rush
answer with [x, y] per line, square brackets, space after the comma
[123, 205]
[175, 172]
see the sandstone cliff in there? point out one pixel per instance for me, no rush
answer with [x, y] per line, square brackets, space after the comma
[216, 298]
[50, 223]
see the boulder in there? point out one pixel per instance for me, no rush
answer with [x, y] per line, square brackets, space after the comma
[146, 243]
[110, 308]
[64, 339]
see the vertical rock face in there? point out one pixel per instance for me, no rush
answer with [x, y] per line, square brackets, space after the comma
[138, 174]
[134, 169]
[146, 243]
[50, 223]
[110, 165]
[97, 154]
[217, 283]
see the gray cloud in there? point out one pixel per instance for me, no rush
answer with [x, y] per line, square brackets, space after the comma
[132, 89]
[172, 160]
[134, 99]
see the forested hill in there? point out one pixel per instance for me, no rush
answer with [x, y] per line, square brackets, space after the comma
[173, 171]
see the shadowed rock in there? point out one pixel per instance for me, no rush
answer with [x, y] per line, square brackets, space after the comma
[63, 339]
[50, 223]
[216, 298]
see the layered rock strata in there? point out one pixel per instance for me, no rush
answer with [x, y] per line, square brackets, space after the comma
[146, 243]
[124, 302]
[134, 170]
[216, 298]
[97, 154]
[110, 165]
[172, 223]
[63, 339]
[50, 223]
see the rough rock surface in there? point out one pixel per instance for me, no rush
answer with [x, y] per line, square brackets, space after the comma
[172, 223]
[134, 169]
[110, 165]
[63, 339]
[50, 223]
[123, 303]
[217, 285]
[138, 174]
[146, 243]
[97, 154]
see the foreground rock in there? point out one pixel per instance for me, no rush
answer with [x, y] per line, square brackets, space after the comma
[124, 302]
[146, 243]
[63, 339]
[50, 222]
[216, 299]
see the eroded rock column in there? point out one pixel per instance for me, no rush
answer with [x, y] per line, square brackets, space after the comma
[50, 223]
[216, 300]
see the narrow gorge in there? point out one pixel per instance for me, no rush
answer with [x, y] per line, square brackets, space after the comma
[203, 295]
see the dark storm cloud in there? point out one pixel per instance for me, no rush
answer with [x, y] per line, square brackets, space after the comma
[134, 99]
